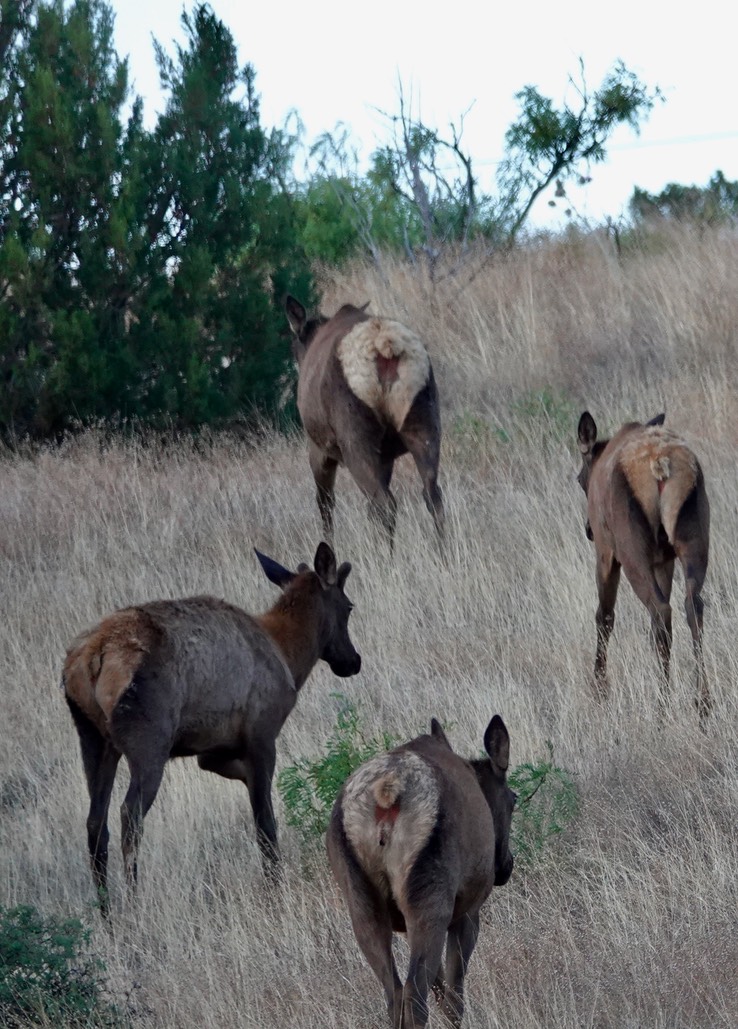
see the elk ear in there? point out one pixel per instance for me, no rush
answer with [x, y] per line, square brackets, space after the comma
[296, 314]
[364, 306]
[343, 574]
[274, 571]
[497, 744]
[657, 420]
[325, 565]
[438, 733]
[586, 432]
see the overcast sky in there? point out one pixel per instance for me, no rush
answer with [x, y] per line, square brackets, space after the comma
[340, 62]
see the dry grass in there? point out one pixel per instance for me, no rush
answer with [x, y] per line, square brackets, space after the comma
[631, 919]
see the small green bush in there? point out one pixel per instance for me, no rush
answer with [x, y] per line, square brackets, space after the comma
[470, 427]
[546, 407]
[309, 788]
[46, 977]
[547, 797]
[547, 803]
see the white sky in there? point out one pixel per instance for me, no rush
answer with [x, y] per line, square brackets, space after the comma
[334, 62]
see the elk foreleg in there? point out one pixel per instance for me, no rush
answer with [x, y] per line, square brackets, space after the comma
[608, 580]
[324, 472]
[261, 763]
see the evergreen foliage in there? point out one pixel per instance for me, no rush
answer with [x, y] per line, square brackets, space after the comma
[141, 272]
[46, 976]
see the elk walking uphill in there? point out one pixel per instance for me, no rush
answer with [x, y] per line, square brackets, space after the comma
[646, 507]
[198, 676]
[418, 837]
[366, 395]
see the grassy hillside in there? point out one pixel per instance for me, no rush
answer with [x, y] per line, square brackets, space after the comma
[629, 918]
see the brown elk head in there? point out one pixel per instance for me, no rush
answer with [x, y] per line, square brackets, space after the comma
[591, 449]
[324, 586]
[491, 773]
[303, 328]
[492, 776]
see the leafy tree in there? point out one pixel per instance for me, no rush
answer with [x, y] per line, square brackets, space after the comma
[547, 145]
[427, 180]
[206, 329]
[61, 160]
[141, 272]
[709, 205]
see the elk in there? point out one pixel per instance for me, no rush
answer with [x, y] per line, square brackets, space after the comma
[646, 507]
[417, 839]
[366, 395]
[199, 676]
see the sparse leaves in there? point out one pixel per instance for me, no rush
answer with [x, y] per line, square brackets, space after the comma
[547, 804]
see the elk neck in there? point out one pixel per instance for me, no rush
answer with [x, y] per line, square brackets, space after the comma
[294, 626]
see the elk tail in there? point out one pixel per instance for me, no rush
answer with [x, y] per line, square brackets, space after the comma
[675, 480]
[660, 469]
[386, 793]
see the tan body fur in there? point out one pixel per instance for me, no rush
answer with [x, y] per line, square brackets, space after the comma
[199, 676]
[646, 507]
[418, 838]
[366, 395]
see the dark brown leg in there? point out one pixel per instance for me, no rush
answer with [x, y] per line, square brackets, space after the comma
[324, 472]
[608, 579]
[425, 451]
[100, 760]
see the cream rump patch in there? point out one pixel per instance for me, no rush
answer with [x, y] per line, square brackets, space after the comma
[404, 784]
[386, 339]
[661, 470]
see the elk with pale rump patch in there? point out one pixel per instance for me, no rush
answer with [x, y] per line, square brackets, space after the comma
[418, 837]
[198, 676]
[366, 395]
[646, 507]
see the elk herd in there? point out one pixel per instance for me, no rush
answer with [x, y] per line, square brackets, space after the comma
[419, 836]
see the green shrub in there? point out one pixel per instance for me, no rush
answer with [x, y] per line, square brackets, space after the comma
[309, 788]
[548, 408]
[547, 797]
[47, 977]
[547, 803]
[470, 427]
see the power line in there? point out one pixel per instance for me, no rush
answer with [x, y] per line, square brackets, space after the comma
[644, 145]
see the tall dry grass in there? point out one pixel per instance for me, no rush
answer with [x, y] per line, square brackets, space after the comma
[630, 919]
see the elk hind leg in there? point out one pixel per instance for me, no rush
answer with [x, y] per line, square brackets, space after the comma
[425, 450]
[373, 474]
[645, 582]
[373, 930]
[608, 580]
[146, 775]
[100, 760]
[462, 939]
[426, 938]
[693, 559]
